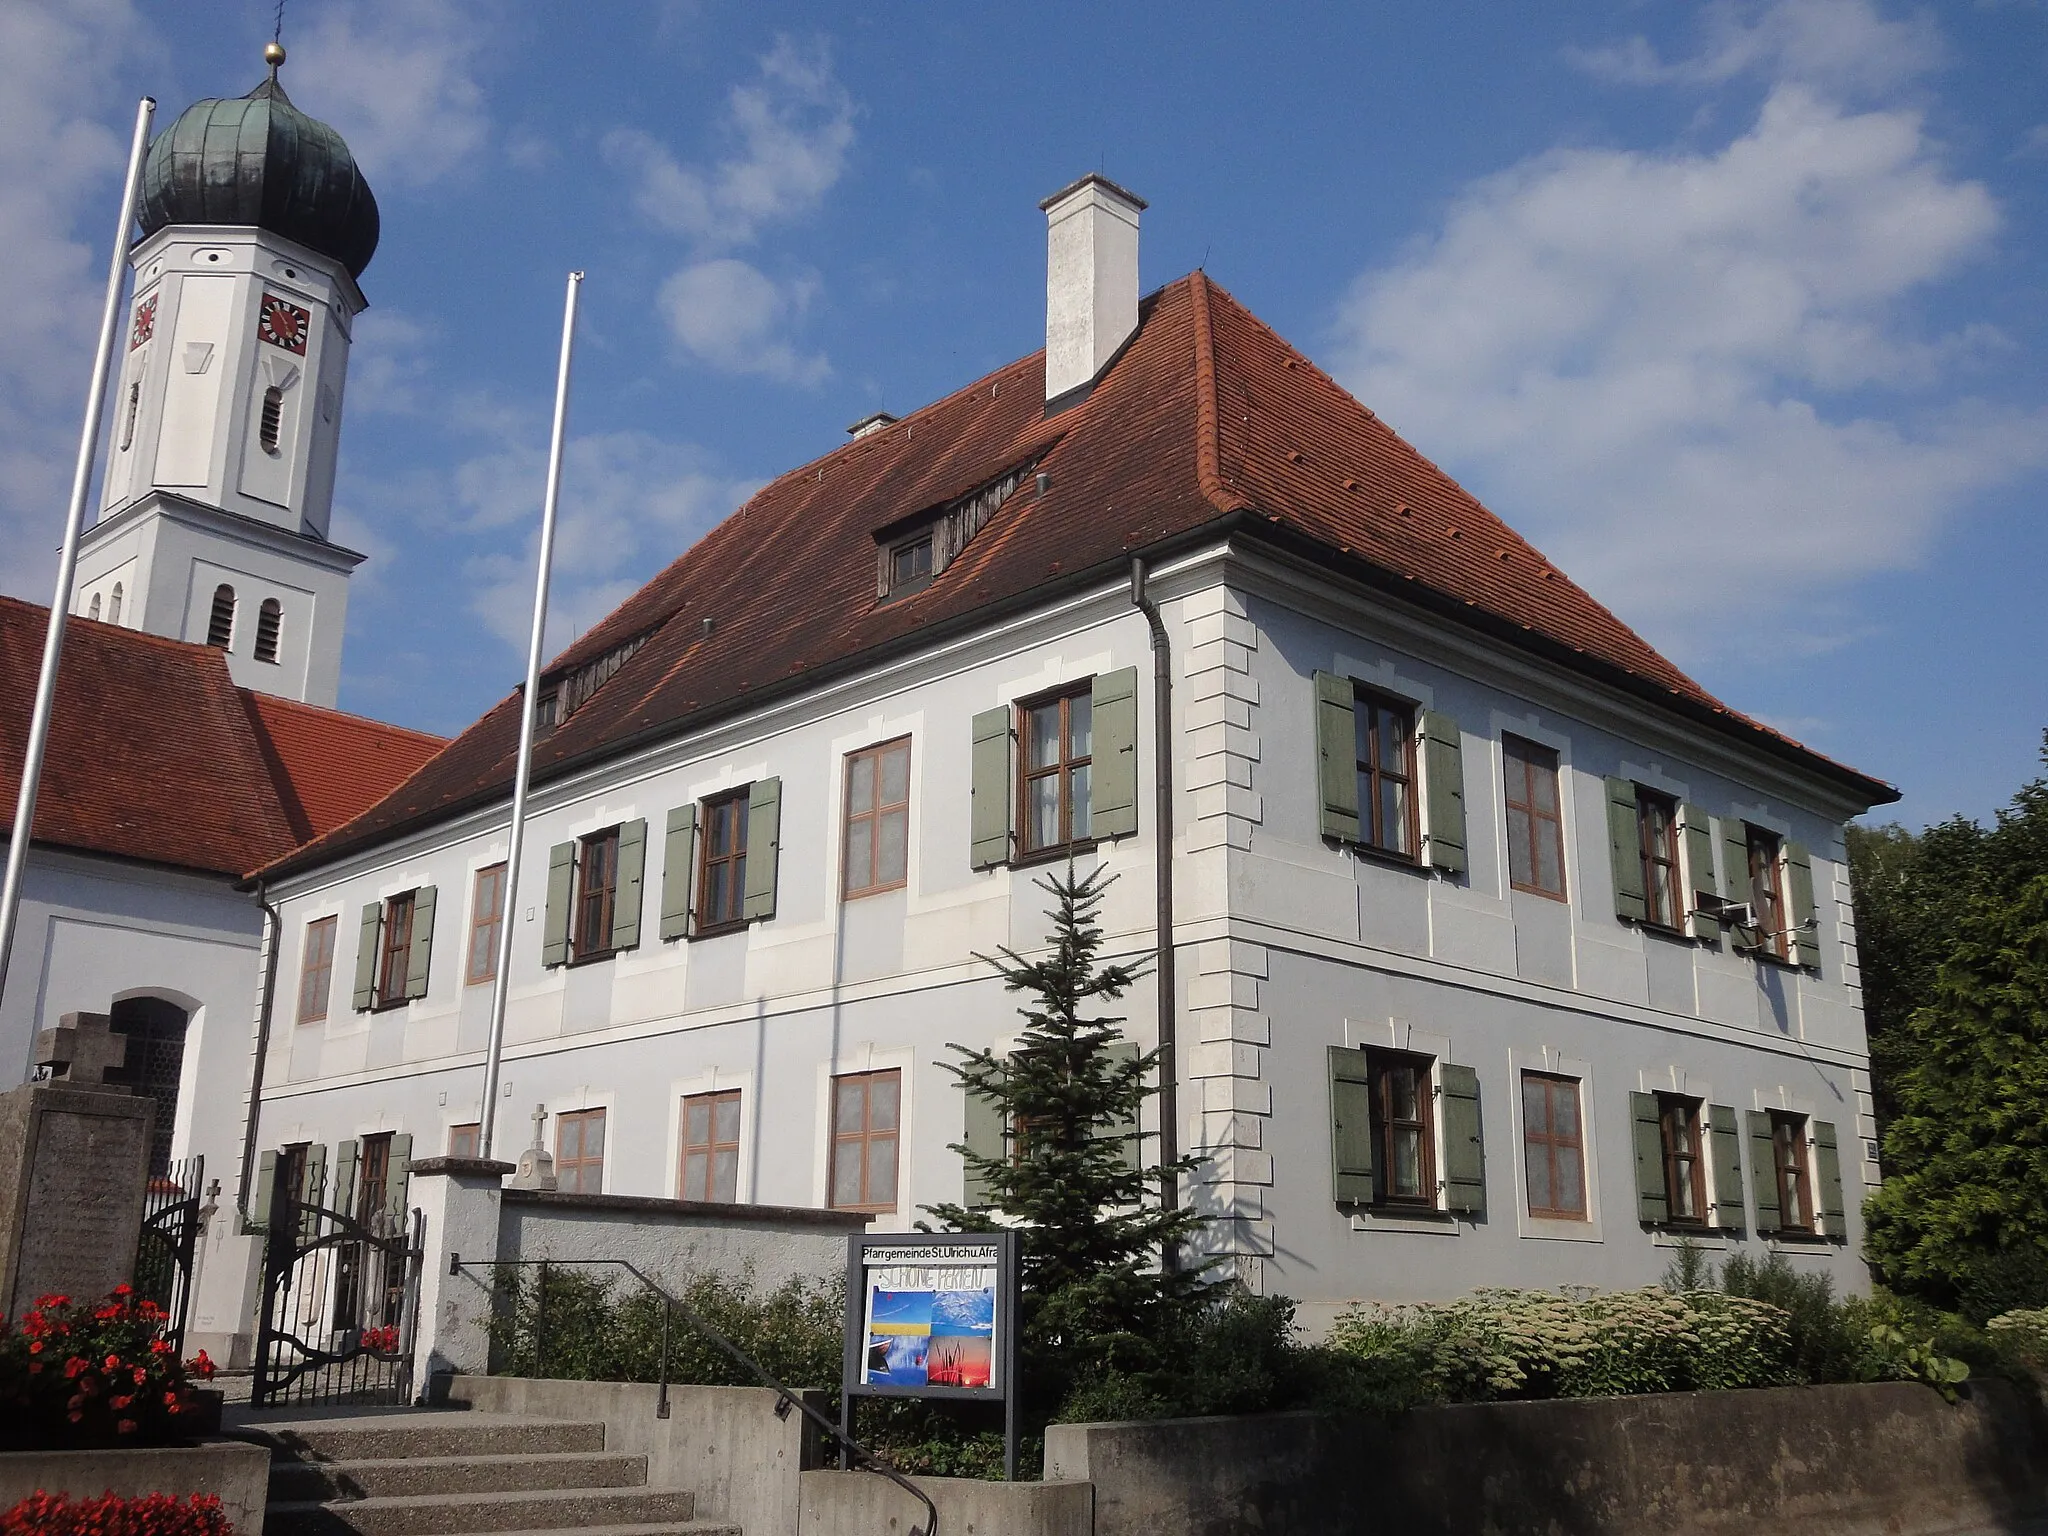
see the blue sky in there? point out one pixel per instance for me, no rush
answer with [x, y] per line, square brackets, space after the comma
[1737, 311]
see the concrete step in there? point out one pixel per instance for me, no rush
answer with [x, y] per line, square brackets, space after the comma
[396, 1477]
[442, 1514]
[659, 1528]
[377, 1437]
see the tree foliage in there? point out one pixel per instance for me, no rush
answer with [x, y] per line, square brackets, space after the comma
[1102, 1288]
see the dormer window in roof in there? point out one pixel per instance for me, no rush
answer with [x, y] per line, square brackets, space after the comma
[562, 696]
[911, 554]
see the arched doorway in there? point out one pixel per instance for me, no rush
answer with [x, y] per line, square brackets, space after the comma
[155, 1028]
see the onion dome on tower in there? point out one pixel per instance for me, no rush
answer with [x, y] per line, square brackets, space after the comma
[258, 160]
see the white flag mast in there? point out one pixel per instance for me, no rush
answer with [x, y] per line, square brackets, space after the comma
[67, 560]
[522, 775]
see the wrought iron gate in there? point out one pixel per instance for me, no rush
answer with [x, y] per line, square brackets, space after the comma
[169, 1237]
[340, 1304]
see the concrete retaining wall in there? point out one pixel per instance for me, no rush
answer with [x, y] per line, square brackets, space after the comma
[723, 1443]
[862, 1504]
[236, 1472]
[1826, 1461]
[670, 1239]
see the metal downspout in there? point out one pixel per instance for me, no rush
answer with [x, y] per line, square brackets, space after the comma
[1162, 785]
[273, 927]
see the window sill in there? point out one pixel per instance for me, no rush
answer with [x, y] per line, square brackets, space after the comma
[590, 959]
[1667, 932]
[1670, 1236]
[381, 1006]
[874, 890]
[719, 932]
[1560, 1229]
[1800, 1242]
[1394, 1218]
[478, 981]
[1054, 854]
[1534, 890]
[1374, 854]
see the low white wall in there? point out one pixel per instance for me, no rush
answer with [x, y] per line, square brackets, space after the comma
[671, 1239]
[861, 1504]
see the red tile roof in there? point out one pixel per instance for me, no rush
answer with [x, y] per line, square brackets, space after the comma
[1207, 423]
[156, 755]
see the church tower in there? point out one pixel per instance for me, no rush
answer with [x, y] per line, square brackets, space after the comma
[213, 523]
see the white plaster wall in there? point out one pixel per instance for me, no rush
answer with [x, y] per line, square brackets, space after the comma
[671, 1246]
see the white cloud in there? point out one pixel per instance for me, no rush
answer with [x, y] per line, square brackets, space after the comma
[388, 362]
[63, 146]
[793, 125]
[399, 80]
[732, 316]
[1692, 377]
[1845, 46]
[631, 502]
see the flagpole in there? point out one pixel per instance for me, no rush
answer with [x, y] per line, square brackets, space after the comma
[522, 775]
[67, 560]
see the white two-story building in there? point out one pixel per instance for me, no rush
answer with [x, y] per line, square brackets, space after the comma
[1500, 952]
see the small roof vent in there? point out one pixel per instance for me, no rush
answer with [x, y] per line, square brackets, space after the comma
[871, 423]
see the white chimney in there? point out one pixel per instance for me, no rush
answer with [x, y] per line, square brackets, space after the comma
[1091, 280]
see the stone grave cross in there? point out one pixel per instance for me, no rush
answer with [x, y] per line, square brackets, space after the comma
[80, 1052]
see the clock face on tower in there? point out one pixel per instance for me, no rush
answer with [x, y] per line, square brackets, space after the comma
[284, 325]
[145, 322]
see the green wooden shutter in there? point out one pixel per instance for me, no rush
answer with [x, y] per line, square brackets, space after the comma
[1763, 1172]
[346, 1156]
[419, 960]
[1113, 777]
[1443, 779]
[982, 1136]
[1735, 882]
[1625, 850]
[315, 1190]
[1725, 1148]
[258, 1217]
[1121, 1054]
[1828, 1154]
[1337, 755]
[1696, 832]
[1799, 894]
[398, 1180]
[368, 931]
[1464, 1150]
[989, 814]
[1350, 1127]
[764, 846]
[626, 895]
[1653, 1204]
[554, 943]
[678, 871]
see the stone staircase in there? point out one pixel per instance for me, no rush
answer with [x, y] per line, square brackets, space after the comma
[440, 1473]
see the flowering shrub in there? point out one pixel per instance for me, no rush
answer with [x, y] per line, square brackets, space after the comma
[149, 1514]
[69, 1375]
[1517, 1344]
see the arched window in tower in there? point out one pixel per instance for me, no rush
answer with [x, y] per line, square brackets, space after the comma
[269, 620]
[273, 418]
[155, 1028]
[128, 421]
[94, 611]
[220, 625]
[114, 607]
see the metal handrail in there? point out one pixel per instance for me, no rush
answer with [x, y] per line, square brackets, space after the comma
[787, 1398]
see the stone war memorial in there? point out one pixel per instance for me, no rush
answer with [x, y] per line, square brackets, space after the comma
[74, 1161]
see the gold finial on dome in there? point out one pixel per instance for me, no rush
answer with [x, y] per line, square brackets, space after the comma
[273, 53]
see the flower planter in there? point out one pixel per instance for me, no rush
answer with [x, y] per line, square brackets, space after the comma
[235, 1473]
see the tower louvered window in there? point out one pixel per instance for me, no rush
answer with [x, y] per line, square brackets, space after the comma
[128, 421]
[94, 611]
[269, 621]
[220, 624]
[273, 418]
[114, 607]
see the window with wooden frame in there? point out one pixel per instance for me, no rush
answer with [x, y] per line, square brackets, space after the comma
[910, 563]
[866, 1131]
[316, 970]
[597, 880]
[1664, 899]
[1055, 747]
[293, 1165]
[396, 957]
[1795, 1177]
[1553, 1147]
[722, 864]
[486, 925]
[579, 1152]
[373, 1177]
[1403, 1129]
[1767, 893]
[877, 819]
[1685, 1173]
[1385, 752]
[711, 1147]
[466, 1140]
[1535, 821]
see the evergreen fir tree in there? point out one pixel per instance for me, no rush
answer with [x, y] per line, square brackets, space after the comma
[1100, 1254]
